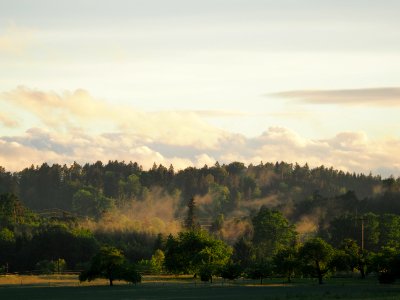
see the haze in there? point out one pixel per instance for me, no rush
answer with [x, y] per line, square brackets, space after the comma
[195, 82]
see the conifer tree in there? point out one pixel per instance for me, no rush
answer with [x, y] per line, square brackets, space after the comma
[190, 222]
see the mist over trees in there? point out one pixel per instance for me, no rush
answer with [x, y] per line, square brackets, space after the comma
[223, 220]
[93, 188]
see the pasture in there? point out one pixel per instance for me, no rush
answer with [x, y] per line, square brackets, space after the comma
[170, 287]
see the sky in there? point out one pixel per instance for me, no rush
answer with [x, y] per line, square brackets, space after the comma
[195, 82]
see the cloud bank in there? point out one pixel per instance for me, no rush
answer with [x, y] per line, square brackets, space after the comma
[74, 126]
[382, 96]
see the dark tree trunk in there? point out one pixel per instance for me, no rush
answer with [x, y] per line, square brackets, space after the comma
[320, 279]
[362, 271]
[319, 272]
[111, 282]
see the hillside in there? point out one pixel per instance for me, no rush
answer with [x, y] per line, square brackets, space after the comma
[309, 197]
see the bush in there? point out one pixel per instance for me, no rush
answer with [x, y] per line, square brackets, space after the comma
[51, 266]
[386, 278]
[205, 274]
[231, 271]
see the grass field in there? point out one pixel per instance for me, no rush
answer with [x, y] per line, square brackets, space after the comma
[170, 287]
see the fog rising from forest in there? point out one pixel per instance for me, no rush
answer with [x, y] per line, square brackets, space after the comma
[139, 211]
[121, 197]
[156, 213]
[165, 214]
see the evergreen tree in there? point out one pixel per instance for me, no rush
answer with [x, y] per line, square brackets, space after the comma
[191, 222]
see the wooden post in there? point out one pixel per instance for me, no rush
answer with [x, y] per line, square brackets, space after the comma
[362, 233]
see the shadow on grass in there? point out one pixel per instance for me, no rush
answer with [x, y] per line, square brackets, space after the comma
[189, 289]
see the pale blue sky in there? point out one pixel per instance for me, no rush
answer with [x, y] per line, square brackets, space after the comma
[224, 62]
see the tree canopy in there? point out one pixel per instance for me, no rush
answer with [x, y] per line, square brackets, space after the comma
[317, 255]
[272, 232]
[110, 264]
[192, 252]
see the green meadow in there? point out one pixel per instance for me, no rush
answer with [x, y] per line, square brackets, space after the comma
[169, 287]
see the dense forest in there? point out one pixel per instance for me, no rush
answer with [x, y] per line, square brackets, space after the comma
[253, 217]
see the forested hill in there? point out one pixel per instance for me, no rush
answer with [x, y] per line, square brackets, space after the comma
[229, 190]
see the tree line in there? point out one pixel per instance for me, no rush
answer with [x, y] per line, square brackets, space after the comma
[271, 248]
[356, 216]
[92, 188]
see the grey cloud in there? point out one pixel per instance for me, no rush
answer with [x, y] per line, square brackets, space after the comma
[380, 96]
[387, 171]
[41, 140]
[351, 141]
[173, 150]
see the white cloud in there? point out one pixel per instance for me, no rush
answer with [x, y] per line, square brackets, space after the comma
[348, 151]
[349, 141]
[37, 146]
[80, 109]
[204, 159]
[276, 144]
[77, 127]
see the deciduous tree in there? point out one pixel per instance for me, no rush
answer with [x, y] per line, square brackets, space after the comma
[272, 232]
[110, 263]
[317, 255]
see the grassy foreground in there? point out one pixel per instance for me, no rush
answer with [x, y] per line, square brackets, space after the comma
[67, 287]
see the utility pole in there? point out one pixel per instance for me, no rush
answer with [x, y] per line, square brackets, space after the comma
[362, 230]
[362, 233]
